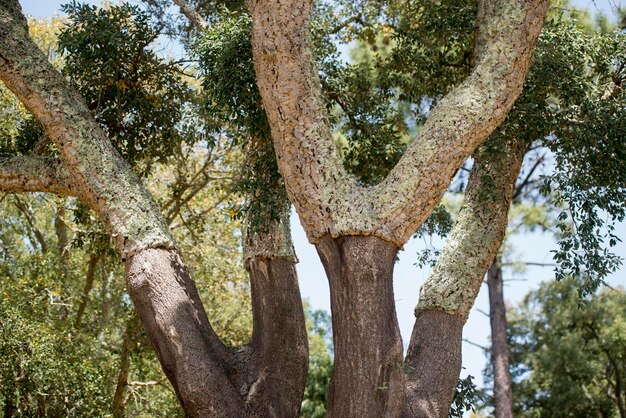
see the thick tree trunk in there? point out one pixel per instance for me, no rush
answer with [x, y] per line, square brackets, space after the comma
[366, 380]
[279, 341]
[433, 364]
[191, 355]
[502, 386]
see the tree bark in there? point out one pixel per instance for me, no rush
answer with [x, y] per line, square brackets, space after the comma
[367, 378]
[502, 385]
[190, 353]
[434, 355]
[279, 340]
[433, 363]
[328, 200]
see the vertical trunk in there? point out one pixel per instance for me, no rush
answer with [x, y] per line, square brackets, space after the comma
[434, 355]
[119, 398]
[191, 355]
[366, 380]
[60, 229]
[502, 386]
[433, 364]
[279, 340]
[89, 278]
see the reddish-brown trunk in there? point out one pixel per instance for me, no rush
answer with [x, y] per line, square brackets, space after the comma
[279, 340]
[502, 386]
[433, 364]
[191, 355]
[366, 380]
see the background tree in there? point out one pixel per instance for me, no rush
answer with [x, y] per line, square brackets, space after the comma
[568, 361]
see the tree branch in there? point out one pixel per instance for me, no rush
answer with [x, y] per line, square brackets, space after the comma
[35, 174]
[100, 176]
[508, 30]
[191, 14]
[328, 200]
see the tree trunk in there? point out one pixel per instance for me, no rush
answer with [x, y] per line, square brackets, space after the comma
[279, 340]
[502, 386]
[89, 278]
[130, 335]
[366, 380]
[433, 364]
[191, 355]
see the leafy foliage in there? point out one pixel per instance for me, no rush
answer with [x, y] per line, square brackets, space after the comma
[136, 96]
[567, 361]
[466, 397]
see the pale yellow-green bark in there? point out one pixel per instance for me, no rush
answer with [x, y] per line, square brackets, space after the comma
[101, 177]
[35, 174]
[328, 200]
[477, 234]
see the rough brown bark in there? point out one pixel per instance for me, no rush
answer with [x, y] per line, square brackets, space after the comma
[366, 380]
[279, 340]
[433, 363]
[192, 356]
[502, 386]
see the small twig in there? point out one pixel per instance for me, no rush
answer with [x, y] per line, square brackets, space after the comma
[465, 340]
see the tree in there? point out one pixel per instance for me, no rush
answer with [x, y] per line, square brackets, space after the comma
[357, 230]
[568, 361]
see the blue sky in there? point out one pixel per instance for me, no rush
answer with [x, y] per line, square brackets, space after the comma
[408, 278]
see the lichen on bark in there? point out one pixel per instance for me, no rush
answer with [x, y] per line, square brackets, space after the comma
[328, 200]
[101, 177]
[477, 234]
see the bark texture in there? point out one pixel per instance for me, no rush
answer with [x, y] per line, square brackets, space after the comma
[279, 341]
[328, 200]
[278, 370]
[366, 380]
[434, 356]
[100, 176]
[432, 364]
[502, 385]
[35, 174]
[192, 356]
[209, 379]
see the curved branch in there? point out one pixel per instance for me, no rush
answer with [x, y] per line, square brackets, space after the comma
[35, 174]
[508, 30]
[102, 178]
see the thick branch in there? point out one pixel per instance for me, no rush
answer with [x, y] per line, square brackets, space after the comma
[102, 178]
[466, 116]
[449, 293]
[191, 14]
[35, 174]
[316, 181]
